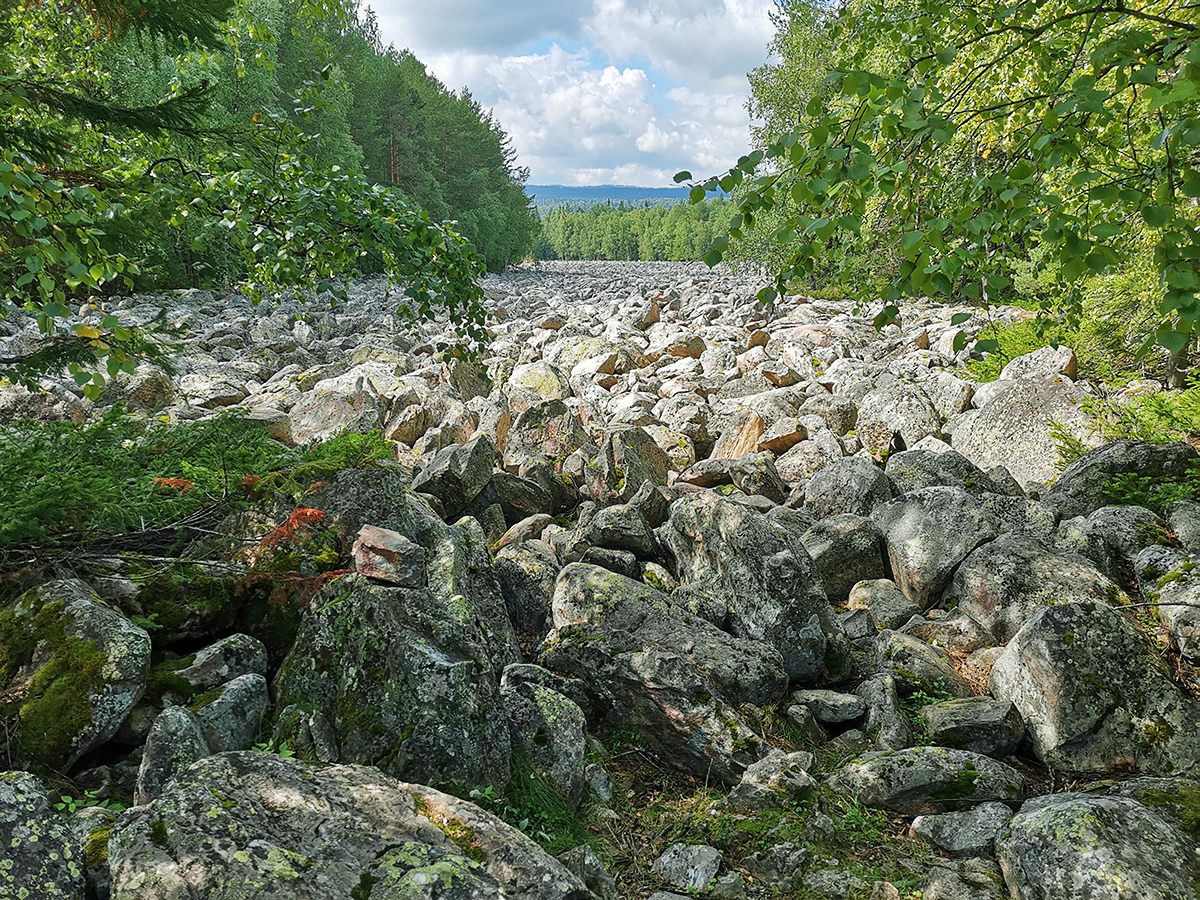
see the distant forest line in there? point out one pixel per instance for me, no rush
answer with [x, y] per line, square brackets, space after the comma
[647, 231]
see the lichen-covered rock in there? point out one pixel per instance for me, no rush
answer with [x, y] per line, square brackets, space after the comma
[233, 714]
[688, 866]
[918, 666]
[1095, 848]
[73, 668]
[912, 470]
[928, 533]
[777, 781]
[225, 660]
[965, 834]
[899, 408]
[1171, 578]
[846, 549]
[852, 485]
[176, 740]
[1184, 517]
[922, 780]
[584, 863]
[660, 671]
[526, 573]
[252, 824]
[1013, 428]
[1082, 487]
[389, 556]
[1095, 695]
[405, 679]
[457, 474]
[759, 581]
[628, 459]
[546, 728]
[39, 856]
[979, 724]
[886, 603]
[887, 727]
[1001, 584]
[91, 827]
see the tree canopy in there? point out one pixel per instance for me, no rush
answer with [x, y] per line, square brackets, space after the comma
[962, 135]
[269, 142]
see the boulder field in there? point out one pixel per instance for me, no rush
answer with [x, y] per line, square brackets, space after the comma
[806, 566]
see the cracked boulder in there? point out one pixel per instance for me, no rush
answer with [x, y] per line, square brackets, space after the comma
[253, 824]
[755, 579]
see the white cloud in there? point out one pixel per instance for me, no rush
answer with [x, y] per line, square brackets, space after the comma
[658, 85]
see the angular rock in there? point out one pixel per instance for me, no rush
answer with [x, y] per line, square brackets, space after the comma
[406, 680]
[850, 486]
[233, 714]
[254, 822]
[979, 724]
[1171, 579]
[886, 603]
[175, 742]
[963, 834]
[912, 470]
[846, 549]
[388, 556]
[886, 726]
[457, 474]
[763, 579]
[546, 728]
[923, 780]
[526, 574]
[830, 707]
[1081, 489]
[628, 459]
[1095, 696]
[1101, 848]
[928, 533]
[1003, 583]
[587, 866]
[777, 781]
[1184, 518]
[917, 666]
[216, 664]
[688, 866]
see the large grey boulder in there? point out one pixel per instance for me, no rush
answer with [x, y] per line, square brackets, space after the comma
[548, 430]
[1001, 584]
[1095, 848]
[1014, 428]
[546, 728]
[776, 781]
[918, 666]
[74, 668]
[253, 824]
[758, 582]
[887, 726]
[457, 474]
[233, 714]
[1083, 486]
[922, 780]
[851, 485]
[899, 408]
[1096, 696]
[964, 834]
[1184, 517]
[928, 533]
[39, 856]
[628, 459]
[846, 549]
[526, 573]
[225, 660]
[406, 680]
[1171, 578]
[660, 671]
[176, 740]
[911, 470]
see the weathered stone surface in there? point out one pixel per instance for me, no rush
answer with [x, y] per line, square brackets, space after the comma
[548, 430]
[758, 582]
[852, 485]
[405, 679]
[628, 459]
[1095, 848]
[457, 474]
[917, 665]
[887, 727]
[688, 866]
[928, 533]
[76, 668]
[234, 713]
[240, 824]
[587, 866]
[547, 729]
[1171, 578]
[901, 409]
[1094, 695]
[175, 742]
[846, 549]
[912, 470]
[922, 780]
[1013, 429]
[322, 414]
[1080, 490]
[39, 856]
[1041, 362]
[660, 670]
[886, 603]
[1003, 583]
[979, 724]
[1184, 518]
[776, 781]
[963, 834]
[225, 660]
[526, 574]
[831, 707]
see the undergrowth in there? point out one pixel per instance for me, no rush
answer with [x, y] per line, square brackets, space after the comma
[61, 481]
[531, 804]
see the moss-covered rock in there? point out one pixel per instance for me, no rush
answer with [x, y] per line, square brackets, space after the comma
[71, 668]
[406, 681]
[236, 825]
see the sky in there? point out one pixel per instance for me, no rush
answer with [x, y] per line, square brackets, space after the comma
[598, 91]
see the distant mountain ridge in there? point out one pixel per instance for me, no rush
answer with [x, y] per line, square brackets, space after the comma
[576, 196]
